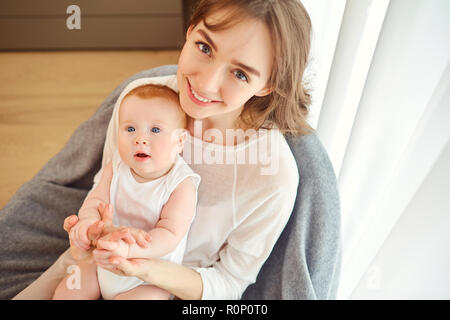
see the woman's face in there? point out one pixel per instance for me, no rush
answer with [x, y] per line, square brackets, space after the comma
[219, 71]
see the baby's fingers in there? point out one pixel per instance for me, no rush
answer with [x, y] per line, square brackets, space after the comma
[122, 234]
[69, 222]
[128, 238]
[95, 231]
[143, 239]
[82, 235]
[107, 245]
[73, 236]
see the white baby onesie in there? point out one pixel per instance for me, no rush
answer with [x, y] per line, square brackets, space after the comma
[139, 205]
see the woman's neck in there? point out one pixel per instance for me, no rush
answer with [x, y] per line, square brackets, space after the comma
[214, 130]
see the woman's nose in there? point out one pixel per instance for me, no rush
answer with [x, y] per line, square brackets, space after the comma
[210, 80]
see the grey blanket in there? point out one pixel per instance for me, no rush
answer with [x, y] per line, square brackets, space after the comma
[304, 263]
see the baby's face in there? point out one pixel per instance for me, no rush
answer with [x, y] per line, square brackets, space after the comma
[149, 135]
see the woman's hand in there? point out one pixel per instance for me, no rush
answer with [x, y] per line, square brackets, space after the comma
[130, 267]
[181, 281]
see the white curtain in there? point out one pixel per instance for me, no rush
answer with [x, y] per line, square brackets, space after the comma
[381, 106]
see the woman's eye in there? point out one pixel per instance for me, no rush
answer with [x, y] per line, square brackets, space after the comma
[131, 129]
[156, 130]
[240, 75]
[203, 47]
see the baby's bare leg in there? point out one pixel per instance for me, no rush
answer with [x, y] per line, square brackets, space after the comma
[144, 292]
[88, 284]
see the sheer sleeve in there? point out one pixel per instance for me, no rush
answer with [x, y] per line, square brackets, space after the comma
[248, 246]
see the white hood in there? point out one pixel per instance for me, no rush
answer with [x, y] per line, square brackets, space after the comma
[110, 150]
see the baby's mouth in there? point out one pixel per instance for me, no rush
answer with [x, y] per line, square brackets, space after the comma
[141, 155]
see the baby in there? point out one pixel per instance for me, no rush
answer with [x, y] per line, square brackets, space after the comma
[150, 187]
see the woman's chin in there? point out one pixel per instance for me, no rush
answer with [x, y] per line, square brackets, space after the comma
[192, 110]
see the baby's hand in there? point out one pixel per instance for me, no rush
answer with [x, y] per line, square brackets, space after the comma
[116, 242]
[112, 244]
[77, 253]
[134, 235]
[78, 234]
[141, 237]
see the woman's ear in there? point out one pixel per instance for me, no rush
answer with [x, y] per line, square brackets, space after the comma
[181, 140]
[264, 92]
[179, 136]
[189, 31]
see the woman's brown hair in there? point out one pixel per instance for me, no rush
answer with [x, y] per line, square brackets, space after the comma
[290, 28]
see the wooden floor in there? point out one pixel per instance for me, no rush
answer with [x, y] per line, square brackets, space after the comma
[45, 96]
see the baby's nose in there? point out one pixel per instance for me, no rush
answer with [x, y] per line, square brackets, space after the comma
[141, 140]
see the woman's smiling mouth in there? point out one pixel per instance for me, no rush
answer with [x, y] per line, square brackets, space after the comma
[197, 98]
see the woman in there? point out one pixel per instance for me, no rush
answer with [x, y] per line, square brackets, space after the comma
[241, 68]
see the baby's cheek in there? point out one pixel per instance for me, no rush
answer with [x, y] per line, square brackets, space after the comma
[123, 147]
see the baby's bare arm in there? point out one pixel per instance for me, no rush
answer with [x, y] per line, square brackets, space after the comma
[89, 209]
[89, 214]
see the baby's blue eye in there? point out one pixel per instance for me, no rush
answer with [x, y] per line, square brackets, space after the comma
[156, 130]
[131, 129]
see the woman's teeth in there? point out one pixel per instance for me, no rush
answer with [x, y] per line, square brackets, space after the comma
[199, 97]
